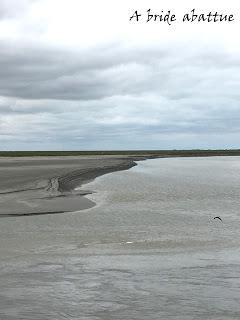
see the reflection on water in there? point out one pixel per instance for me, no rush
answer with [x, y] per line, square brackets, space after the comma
[150, 249]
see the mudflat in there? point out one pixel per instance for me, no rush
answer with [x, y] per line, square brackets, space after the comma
[44, 185]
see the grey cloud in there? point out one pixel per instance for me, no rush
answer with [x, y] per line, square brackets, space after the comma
[38, 73]
[114, 97]
[35, 73]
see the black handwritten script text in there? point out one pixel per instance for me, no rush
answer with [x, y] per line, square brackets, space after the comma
[169, 17]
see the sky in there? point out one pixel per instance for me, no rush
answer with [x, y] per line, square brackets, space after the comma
[79, 75]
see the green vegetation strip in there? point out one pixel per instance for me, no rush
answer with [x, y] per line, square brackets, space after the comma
[160, 153]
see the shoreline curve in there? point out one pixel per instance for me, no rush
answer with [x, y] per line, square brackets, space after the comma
[47, 186]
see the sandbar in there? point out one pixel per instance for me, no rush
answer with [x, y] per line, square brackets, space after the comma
[49, 185]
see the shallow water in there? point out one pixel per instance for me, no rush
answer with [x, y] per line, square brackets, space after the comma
[150, 249]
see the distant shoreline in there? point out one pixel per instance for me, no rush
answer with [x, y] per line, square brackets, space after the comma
[144, 153]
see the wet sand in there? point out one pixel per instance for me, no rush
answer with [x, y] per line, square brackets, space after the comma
[46, 185]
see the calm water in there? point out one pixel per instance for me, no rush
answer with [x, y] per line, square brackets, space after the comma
[150, 249]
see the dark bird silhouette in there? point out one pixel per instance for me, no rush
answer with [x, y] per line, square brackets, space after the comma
[218, 218]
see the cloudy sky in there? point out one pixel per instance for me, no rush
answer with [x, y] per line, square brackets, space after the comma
[78, 75]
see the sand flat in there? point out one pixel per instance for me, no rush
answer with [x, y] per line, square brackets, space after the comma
[43, 185]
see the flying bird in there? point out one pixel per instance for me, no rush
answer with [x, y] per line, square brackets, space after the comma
[218, 218]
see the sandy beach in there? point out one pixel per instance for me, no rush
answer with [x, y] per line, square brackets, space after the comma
[43, 185]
